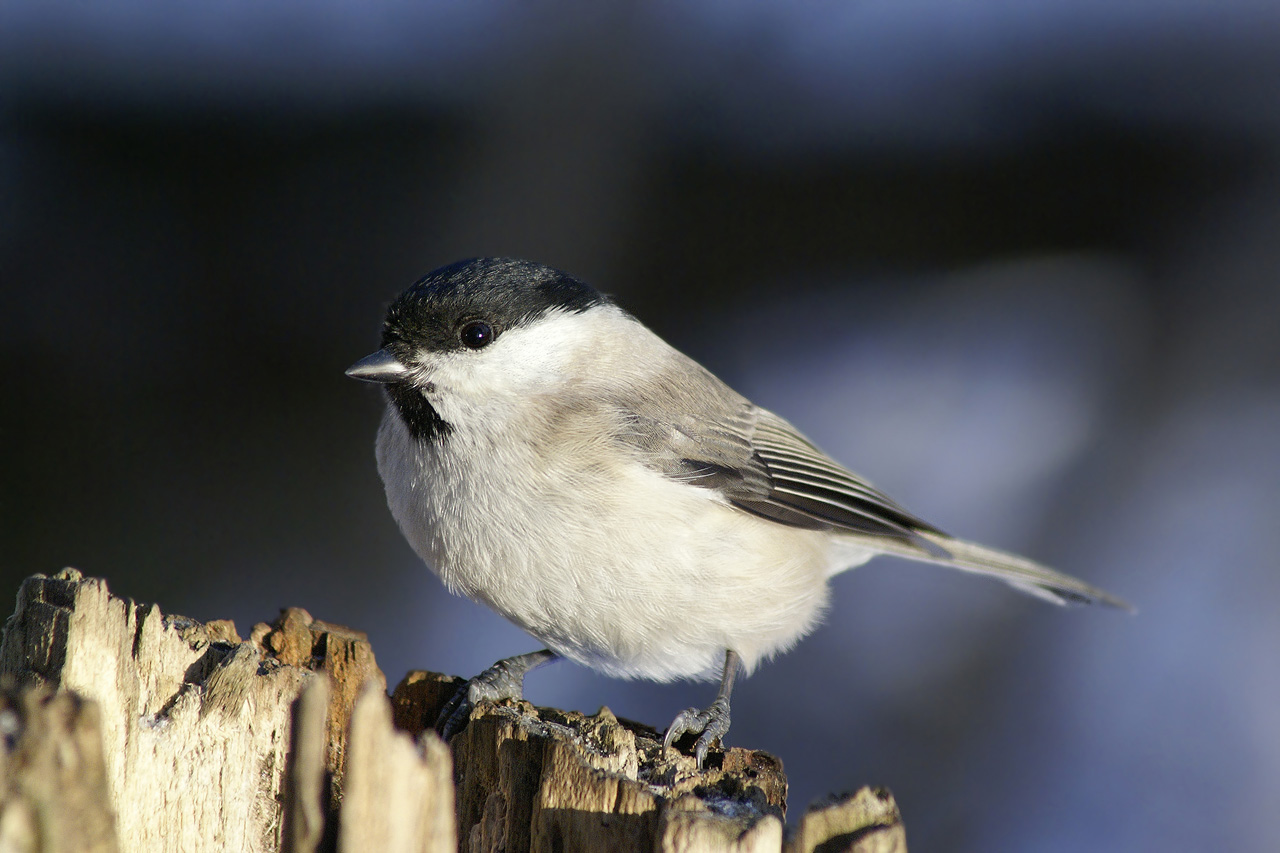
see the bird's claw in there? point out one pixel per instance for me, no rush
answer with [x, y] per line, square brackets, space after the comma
[712, 723]
[501, 681]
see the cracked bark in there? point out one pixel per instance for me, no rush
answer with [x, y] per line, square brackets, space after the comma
[122, 728]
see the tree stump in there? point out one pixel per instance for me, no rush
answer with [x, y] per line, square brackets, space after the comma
[125, 729]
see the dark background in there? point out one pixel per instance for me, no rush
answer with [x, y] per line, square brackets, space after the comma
[1018, 263]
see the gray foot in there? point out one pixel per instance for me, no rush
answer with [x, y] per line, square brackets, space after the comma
[503, 680]
[713, 723]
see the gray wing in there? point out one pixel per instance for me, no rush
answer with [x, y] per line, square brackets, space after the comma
[763, 465]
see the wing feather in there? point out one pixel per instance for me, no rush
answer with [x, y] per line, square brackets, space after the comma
[708, 436]
[762, 464]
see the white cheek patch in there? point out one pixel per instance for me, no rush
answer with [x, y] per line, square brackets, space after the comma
[526, 359]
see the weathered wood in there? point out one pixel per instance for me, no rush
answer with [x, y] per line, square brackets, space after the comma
[540, 779]
[195, 724]
[399, 795]
[165, 734]
[343, 654]
[53, 781]
[867, 821]
[190, 766]
[306, 795]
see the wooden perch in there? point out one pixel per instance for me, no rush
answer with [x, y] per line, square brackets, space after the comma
[125, 729]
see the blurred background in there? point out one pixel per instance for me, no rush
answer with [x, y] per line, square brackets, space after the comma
[1017, 263]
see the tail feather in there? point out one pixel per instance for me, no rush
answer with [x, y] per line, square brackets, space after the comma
[1019, 572]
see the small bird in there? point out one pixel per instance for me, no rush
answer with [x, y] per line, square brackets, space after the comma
[549, 456]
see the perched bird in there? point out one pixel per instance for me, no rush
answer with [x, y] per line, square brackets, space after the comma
[549, 456]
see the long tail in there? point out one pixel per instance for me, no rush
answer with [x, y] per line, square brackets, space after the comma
[1026, 575]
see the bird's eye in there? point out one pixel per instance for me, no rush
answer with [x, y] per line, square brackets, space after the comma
[476, 335]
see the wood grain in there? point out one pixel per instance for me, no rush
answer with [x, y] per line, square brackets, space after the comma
[122, 728]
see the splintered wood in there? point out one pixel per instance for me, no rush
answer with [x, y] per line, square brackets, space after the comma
[195, 723]
[122, 728]
[548, 780]
[54, 794]
[867, 821]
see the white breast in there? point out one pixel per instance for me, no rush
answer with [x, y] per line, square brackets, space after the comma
[616, 567]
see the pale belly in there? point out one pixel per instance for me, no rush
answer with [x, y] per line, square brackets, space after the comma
[624, 570]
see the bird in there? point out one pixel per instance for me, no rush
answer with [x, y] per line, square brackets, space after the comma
[549, 456]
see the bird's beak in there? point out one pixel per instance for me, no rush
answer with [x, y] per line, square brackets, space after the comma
[381, 367]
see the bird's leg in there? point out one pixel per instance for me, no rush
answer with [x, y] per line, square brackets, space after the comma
[714, 721]
[503, 680]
